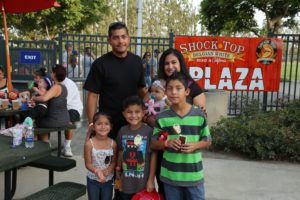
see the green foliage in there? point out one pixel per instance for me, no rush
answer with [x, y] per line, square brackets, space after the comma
[237, 16]
[261, 135]
[73, 16]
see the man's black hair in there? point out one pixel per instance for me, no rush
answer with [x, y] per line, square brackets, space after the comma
[115, 26]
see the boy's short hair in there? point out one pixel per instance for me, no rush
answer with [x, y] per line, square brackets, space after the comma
[133, 100]
[179, 77]
[115, 26]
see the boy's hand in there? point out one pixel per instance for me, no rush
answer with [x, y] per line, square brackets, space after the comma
[150, 185]
[174, 144]
[189, 147]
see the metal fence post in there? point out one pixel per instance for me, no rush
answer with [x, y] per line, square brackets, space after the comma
[171, 39]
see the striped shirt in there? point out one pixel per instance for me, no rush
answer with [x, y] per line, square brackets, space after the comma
[177, 168]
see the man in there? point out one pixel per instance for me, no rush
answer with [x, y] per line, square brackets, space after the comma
[75, 108]
[72, 62]
[155, 61]
[113, 77]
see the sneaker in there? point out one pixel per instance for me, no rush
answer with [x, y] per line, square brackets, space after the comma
[67, 152]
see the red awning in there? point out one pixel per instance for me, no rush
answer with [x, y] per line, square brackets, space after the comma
[25, 6]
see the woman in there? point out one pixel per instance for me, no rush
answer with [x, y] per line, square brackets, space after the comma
[172, 60]
[3, 81]
[57, 114]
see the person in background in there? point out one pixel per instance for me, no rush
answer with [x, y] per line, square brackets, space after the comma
[57, 115]
[156, 56]
[148, 68]
[88, 59]
[72, 61]
[100, 154]
[185, 131]
[3, 81]
[75, 107]
[113, 77]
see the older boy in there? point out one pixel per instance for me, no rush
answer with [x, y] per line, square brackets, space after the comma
[186, 131]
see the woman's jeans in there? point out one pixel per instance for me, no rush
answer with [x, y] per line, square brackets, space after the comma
[184, 193]
[97, 190]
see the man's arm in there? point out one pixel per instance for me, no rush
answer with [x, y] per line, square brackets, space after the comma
[143, 93]
[92, 99]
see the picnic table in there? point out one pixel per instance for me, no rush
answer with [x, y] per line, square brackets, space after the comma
[12, 158]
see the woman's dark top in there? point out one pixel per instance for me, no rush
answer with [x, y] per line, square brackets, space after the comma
[57, 114]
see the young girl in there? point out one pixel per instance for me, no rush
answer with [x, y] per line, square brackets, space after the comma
[100, 158]
[158, 91]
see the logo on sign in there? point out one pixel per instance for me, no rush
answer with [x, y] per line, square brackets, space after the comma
[266, 52]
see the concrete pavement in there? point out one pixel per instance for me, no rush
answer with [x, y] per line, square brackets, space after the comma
[227, 177]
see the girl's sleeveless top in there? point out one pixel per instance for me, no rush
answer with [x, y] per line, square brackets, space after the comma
[57, 112]
[101, 158]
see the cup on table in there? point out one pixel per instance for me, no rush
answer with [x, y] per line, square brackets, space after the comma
[15, 104]
[4, 103]
[17, 136]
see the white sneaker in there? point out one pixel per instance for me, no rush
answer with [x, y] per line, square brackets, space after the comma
[68, 152]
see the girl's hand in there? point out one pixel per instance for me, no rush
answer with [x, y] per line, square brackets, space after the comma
[189, 147]
[150, 186]
[35, 89]
[89, 131]
[105, 172]
[100, 175]
[174, 143]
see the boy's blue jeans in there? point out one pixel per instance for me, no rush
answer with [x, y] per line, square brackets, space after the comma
[97, 190]
[180, 193]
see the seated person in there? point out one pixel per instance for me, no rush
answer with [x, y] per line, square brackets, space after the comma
[40, 109]
[57, 114]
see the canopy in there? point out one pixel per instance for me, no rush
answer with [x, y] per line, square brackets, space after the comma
[20, 6]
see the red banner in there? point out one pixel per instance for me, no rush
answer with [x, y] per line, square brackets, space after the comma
[244, 64]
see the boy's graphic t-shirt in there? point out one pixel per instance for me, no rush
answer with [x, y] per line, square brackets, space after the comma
[135, 145]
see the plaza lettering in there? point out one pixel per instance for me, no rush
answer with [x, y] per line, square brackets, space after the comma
[225, 81]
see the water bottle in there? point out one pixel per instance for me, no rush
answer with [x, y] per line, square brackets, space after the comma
[29, 138]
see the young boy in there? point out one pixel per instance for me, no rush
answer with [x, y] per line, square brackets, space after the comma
[186, 132]
[136, 164]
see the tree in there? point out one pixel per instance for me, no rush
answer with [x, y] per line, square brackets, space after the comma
[237, 16]
[73, 16]
[159, 17]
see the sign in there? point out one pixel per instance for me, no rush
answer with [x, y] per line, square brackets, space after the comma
[244, 64]
[30, 57]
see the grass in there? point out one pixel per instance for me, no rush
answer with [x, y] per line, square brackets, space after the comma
[290, 69]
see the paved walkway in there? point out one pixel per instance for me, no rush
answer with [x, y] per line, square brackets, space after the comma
[227, 177]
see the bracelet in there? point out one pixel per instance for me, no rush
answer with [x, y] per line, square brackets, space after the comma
[166, 143]
[95, 170]
[118, 168]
